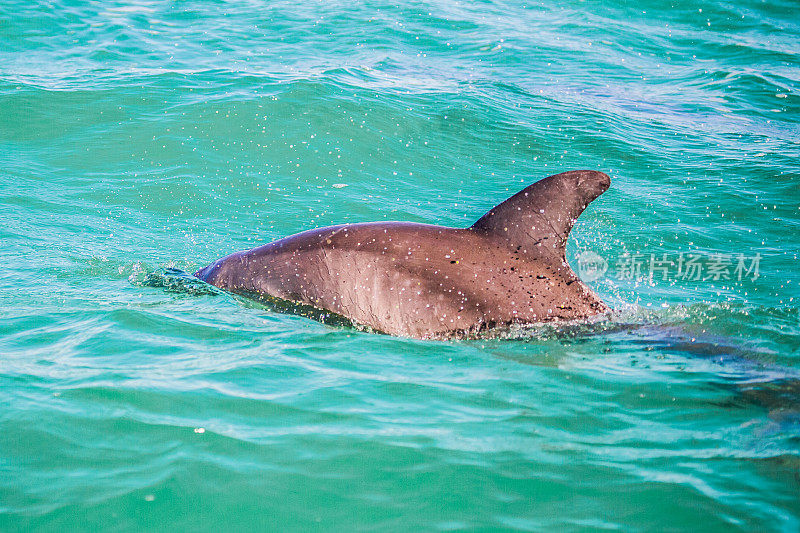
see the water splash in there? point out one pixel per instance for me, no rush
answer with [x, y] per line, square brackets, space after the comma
[174, 280]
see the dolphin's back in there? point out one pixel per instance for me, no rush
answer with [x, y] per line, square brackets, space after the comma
[422, 280]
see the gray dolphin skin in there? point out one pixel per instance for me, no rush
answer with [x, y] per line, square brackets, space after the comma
[433, 282]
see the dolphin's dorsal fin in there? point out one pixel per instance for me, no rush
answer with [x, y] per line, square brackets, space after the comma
[543, 214]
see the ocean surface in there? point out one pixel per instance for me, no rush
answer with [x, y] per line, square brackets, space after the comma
[141, 140]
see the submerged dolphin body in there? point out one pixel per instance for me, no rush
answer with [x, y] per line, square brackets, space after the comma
[425, 281]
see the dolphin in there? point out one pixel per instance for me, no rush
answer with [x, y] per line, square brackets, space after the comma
[432, 282]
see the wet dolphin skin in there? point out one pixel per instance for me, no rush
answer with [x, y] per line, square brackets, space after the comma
[427, 281]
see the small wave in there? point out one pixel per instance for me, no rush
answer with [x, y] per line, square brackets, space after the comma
[175, 280]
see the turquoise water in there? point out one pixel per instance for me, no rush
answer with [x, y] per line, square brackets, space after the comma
[142, 140]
